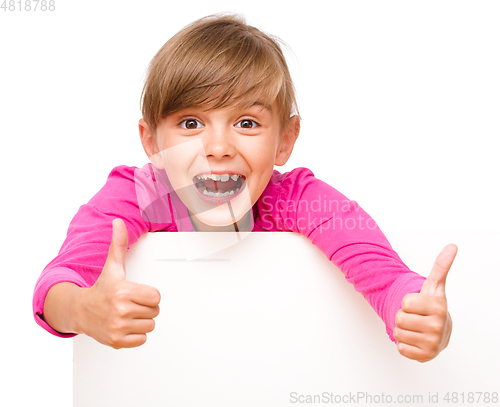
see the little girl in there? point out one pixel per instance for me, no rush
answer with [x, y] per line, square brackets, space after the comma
[219, 112]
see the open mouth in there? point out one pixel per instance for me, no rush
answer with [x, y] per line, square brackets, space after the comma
[219, 185]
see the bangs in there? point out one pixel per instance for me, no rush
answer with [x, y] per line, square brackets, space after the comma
[241, 88]
[219, 75]
[213, 64]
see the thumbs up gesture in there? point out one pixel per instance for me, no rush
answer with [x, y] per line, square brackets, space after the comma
[423, 324]
[114, 311]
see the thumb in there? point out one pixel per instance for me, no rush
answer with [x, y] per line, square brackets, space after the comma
[435, 283]
[118, 248]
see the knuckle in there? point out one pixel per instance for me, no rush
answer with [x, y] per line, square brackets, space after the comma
[406, 302]
[121, 293]
[435, 327]
[401, 348]
[432, 348]
[396, 333]
[156, 296]
[115, 341]
[437, 305]
[431, 354]
[142, 340]
[151, 325]
[409, 302]
[442, 311]
[120, 310]
[151, 292]
[117, 324]
[399, 318]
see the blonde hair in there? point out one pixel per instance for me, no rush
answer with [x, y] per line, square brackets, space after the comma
[215, 62]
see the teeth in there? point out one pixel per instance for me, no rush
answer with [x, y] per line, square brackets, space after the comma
[218, 195]
[218, 177]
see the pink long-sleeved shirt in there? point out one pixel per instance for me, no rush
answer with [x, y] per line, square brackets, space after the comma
[295, 201]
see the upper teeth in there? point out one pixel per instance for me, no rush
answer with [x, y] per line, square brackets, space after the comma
[218, 177]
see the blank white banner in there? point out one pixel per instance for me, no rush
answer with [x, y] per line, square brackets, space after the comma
[269, 321]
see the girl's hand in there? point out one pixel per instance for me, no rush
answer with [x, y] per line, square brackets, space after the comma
[114, 311]
[423, 324]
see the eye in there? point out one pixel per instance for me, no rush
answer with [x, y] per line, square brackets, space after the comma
[246, 124]
[191, 124]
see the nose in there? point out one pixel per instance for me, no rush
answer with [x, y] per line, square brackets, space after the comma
[218, 143]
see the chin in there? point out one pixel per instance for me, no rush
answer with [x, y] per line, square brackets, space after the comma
[219, 217]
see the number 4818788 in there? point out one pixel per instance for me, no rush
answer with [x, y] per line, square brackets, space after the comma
[28, 5]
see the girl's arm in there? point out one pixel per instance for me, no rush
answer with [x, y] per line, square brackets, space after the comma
[59, 307]
[84, 253]
[299, 202]
[115, 312]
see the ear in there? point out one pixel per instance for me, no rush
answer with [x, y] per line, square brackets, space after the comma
[149, 144]
[287, 141]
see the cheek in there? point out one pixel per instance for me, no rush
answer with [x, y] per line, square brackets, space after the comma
[262, 168]
[167, 141]
[178, 158]
[260, 152]
[262, 163]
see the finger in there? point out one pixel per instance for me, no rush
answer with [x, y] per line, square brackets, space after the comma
[141, 326]
[137, 311]
[412, 352]
[146, 295]
[435, 283]
[423, 304]
[119, 242]
[416, 339]
[410, 322]
[133, 340]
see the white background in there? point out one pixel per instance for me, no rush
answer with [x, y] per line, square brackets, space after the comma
[400, 107]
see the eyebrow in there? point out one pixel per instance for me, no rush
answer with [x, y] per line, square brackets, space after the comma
[249, 104]
[258, 103]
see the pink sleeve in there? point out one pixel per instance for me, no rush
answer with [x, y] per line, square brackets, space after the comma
[84, 252]
[347, 235]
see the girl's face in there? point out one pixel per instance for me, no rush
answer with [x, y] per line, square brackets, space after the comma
[220, 161]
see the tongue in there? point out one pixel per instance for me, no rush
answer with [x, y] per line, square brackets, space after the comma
[219, 186]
